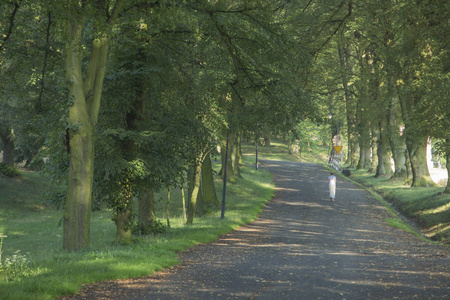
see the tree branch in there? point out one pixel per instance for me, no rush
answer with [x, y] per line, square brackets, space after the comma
[44, 67]
[11, 23]
[341, 24]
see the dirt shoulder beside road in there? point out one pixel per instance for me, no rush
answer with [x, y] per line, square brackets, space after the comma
[302, 247]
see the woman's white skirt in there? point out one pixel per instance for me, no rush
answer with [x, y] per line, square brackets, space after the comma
[332, 186]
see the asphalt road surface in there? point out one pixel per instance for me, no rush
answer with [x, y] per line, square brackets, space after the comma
[302, 247]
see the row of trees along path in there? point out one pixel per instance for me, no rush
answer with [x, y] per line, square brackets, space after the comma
[302, 247]
[143, 91]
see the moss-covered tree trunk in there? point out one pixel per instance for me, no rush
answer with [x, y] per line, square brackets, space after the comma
[84, 95]
[77, 208]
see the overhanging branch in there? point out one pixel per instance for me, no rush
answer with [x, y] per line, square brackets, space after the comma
[11, 23]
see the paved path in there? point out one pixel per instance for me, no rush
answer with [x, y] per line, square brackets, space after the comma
[303, 247]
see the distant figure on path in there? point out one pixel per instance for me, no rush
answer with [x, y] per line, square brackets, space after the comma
[332, 186]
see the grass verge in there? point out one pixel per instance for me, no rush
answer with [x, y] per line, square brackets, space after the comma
[425, 206]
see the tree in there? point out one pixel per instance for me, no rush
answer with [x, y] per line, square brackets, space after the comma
[433, 111]
[409, 58]
[29, 93]
[9, 12]
[350, 106]
[84, 94]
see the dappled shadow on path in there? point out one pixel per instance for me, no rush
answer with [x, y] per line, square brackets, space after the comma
[305, 247]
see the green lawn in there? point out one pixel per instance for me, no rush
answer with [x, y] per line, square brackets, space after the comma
[43, 270]
[34, 265]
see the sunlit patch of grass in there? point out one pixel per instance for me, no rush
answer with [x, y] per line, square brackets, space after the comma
[439, 232]
[436, 210]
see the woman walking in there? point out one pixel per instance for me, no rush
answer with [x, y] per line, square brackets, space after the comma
[332, 186]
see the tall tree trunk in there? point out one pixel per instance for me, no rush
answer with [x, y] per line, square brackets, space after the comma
[168, 208]
[183, 203]
[364, 115]
[381, 152]
[365, 159]
[417, 149]
[235, 156]
[350, 107]
[223, 142]
[84, 96]
[374, 142]
[200, 206]
[123, 232]
[193, 193]
[447, 165]
[77, 208]
[415, 143]
[396, 140]
[266, 140]
[364, 146]
[398, 155]
[209, 189]
[7, 137]
[408, 167]
[230, 165]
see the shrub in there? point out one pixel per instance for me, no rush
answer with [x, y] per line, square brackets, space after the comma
[15, 267]
[153, 228]
[9, 171]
